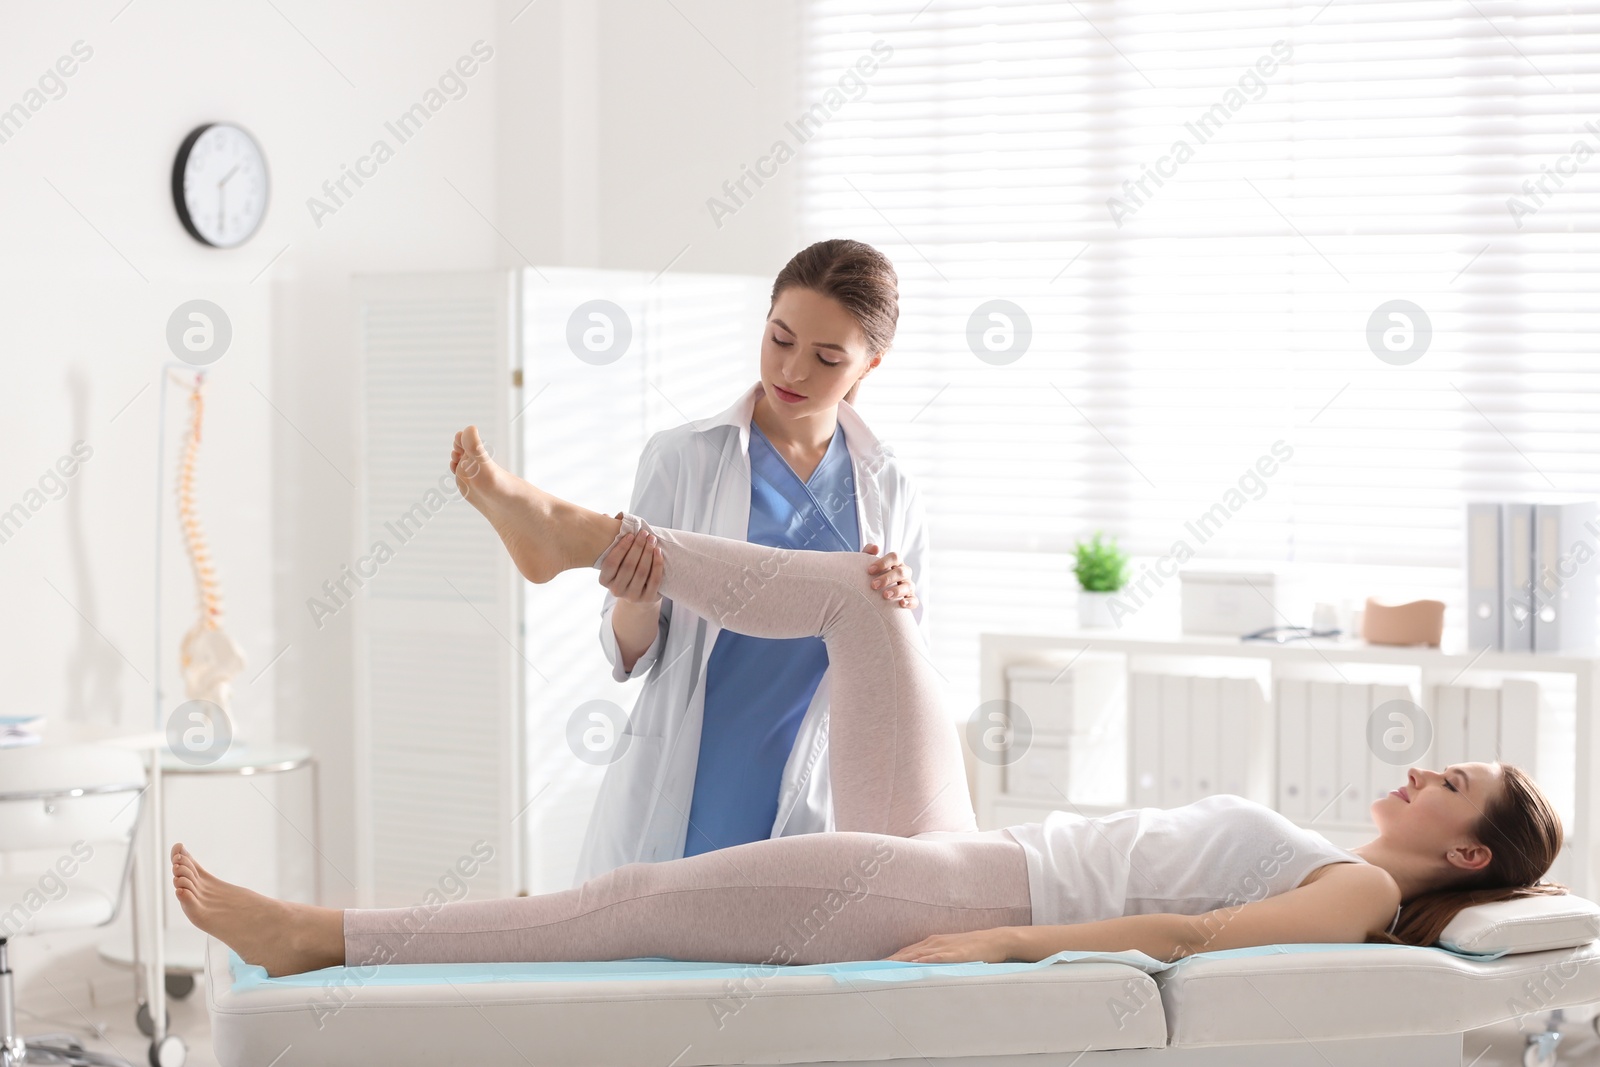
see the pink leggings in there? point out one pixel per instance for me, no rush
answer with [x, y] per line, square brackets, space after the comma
[906, 861]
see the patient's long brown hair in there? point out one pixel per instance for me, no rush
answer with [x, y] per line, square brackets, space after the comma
[1523, 833]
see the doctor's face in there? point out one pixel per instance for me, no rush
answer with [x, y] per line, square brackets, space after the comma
[812, 352]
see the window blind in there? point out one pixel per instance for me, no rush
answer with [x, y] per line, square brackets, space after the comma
[1204, 212]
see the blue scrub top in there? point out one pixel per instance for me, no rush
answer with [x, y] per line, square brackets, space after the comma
[758, 688]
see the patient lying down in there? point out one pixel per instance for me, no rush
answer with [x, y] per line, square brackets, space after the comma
[907, 875]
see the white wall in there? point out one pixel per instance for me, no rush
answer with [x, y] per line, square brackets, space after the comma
[93, 262]
[592, 137]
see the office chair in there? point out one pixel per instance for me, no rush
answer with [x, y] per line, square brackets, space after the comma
[71, 804]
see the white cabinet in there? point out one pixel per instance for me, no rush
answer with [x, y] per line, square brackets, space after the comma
[1318, 730]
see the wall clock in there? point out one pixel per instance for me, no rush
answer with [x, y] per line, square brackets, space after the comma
[219, 184]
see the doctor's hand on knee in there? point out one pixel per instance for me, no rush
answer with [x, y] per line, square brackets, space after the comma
[893, 577]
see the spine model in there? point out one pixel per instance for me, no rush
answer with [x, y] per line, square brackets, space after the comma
[209, 657]
[194, 534]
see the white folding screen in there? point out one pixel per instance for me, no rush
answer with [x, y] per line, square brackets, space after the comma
[439, 779]
[609, 358]
[468, 674]
[1199, 208]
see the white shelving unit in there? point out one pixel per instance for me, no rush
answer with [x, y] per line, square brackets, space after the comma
[1158, 650]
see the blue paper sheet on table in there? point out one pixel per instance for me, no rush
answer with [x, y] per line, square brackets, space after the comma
[247, 976]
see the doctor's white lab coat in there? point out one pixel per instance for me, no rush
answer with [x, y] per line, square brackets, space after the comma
[697, 477]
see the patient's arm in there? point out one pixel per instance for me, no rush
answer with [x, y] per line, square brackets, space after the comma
[1344, 905]
[1164, 936]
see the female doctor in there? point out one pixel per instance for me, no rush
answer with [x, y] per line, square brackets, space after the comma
[729, 738]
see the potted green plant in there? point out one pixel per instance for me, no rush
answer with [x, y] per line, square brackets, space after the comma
[1102, 570]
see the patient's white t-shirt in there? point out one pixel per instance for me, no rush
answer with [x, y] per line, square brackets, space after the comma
[1217, 852]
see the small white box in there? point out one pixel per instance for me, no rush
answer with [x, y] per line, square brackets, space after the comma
[1233, 602]
[1040, 771]
[1045, 694]
[1068, 740]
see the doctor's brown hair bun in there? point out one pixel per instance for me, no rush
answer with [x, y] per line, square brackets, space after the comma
[856, 275]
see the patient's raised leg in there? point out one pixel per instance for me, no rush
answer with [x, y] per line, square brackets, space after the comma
[544, 534]
[894, 753]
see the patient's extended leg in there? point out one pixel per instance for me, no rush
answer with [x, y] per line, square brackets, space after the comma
[809, 898]
[283, 936]
[894, 753]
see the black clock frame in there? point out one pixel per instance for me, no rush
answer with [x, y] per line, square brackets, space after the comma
[181, 162]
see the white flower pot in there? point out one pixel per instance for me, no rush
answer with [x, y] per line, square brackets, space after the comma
[1094, 609]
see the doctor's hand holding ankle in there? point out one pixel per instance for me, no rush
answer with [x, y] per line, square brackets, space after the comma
[631, 572]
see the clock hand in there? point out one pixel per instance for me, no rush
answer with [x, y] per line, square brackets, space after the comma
[222, 194]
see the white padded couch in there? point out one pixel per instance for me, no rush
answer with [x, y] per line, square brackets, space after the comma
[1319, 1006]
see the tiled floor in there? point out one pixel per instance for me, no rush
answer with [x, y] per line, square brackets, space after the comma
[122, 1036]
[1493, 1046]
[1502, 1045]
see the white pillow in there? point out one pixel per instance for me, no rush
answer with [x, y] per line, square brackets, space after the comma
[1526, 924]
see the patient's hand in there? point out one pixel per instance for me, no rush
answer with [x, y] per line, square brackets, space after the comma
[894, 577]
[976, 946]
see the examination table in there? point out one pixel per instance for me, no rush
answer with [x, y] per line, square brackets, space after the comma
[1282, 1005]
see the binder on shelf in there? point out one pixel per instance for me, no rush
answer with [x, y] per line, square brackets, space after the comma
[1483, 575]
[1205, 705]
[1322, 751]
[1176, 782]
[1144, 740]
[1564, 588]
[1244, 736]
[1483, 725]
[1098, 761]
[1382, 775]
[1355, 705]
[1519, 724]
[1449, 714]
[1291, 701]
[1516, 577]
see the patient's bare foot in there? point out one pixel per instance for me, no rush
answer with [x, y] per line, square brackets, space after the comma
[544, 534]
[282, 936]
